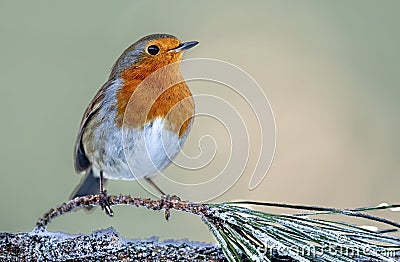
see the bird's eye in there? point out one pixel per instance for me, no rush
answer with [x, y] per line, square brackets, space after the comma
[153, 49]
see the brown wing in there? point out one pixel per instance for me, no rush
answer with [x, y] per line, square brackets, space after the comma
[82, 162]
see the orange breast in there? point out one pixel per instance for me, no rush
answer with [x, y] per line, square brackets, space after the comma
[146, 95]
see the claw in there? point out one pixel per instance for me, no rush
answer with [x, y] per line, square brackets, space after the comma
[105, 203]
[168, 199]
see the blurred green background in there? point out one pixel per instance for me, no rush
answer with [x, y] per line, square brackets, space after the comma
[329, 68]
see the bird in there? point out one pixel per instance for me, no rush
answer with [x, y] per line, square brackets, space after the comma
[139, 119]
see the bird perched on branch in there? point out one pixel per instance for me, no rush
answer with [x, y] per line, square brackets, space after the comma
[139, 119]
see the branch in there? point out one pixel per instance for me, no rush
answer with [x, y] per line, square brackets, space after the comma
[94, 200]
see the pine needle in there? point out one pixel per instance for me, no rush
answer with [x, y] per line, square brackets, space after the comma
[301, 237]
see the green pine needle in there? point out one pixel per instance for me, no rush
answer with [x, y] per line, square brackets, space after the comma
[246, 234]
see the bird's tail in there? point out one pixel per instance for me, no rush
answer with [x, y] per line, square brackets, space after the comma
[89, 185]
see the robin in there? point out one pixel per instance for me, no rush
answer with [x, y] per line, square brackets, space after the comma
[138, 120]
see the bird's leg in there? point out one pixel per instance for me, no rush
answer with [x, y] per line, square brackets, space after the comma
[151, 182]
[104, 203]
[163, 195]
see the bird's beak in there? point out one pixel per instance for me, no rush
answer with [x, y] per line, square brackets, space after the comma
[185, 46]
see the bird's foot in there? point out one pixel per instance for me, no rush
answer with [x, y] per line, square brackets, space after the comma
[105, 203]
[166, 201]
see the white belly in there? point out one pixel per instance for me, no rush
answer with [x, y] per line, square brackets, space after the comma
[134, 153]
